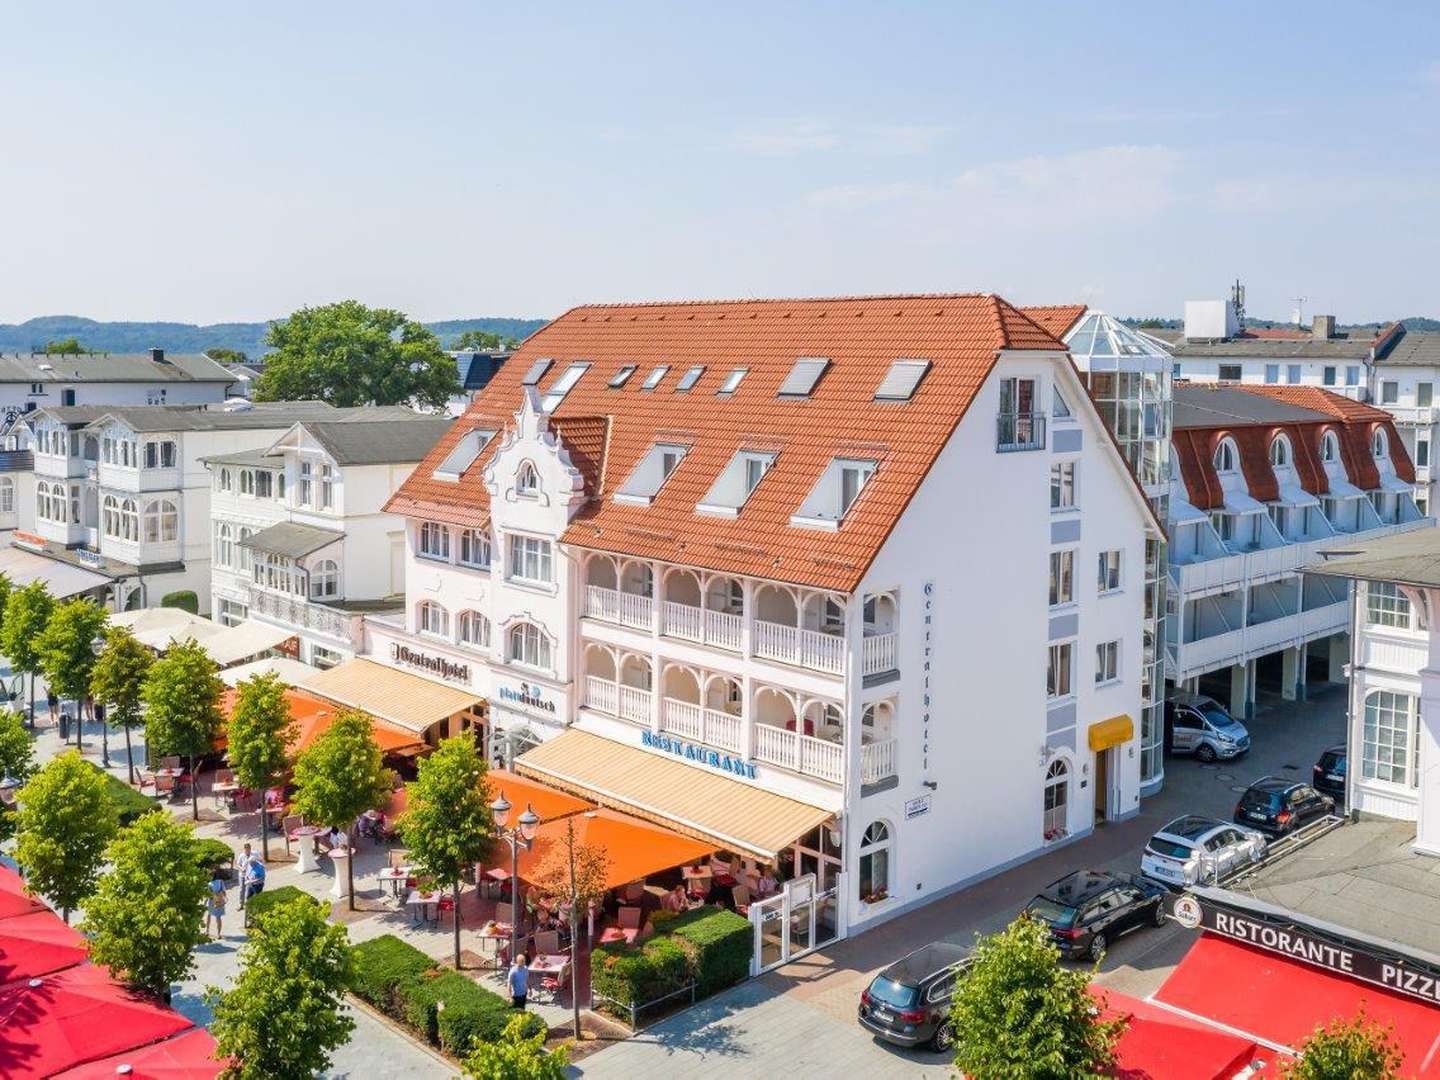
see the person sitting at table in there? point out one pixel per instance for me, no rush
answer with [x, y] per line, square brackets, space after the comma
[676, 900]
[335, 839]
[767, 883]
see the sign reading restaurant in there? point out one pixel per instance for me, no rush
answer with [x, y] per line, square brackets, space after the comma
[435, 665]
[699, 754]
[1391, 971]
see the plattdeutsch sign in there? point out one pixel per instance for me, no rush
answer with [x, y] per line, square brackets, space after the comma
[529, 695]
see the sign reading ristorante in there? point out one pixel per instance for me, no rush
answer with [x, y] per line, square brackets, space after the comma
[436, 665]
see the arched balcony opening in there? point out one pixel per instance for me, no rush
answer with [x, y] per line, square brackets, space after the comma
[687, 709]
[805, 629]
[683, 587]
[776, 605]
[638, 579]
[708, 611]
[786, 734]
[880, 640]
[600, 570]
[724, 694]
[635, 671]
[681, 684]
[618, 684]
[620, 592]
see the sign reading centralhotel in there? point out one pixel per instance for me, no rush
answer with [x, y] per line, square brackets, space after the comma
[436, 665]
[1393, 972]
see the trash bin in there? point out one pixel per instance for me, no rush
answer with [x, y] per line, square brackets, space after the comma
[64, 727]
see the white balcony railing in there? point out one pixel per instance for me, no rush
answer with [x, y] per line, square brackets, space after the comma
[709, 726]
[879, 652]
[303, 615]
[1207, 653]
[600, 694]
[627, 609]
[1412, 414]
[793, 645]
[683, 621]
[877, 761]
[802, 753]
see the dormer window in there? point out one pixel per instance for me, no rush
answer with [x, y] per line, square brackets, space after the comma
[647, 478]
[834, 493]
[1329, 448]
[732, 381]
[653, 379]
[803, 377]
[464, 454]
[1380, 445]
[527, 481]
[563, 385]
[735, 484]
[621, 377]
[1226, 456]
[1280, 452]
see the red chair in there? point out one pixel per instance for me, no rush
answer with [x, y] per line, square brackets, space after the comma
[444, 904]
[809, 726]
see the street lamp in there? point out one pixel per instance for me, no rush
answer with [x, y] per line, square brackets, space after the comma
[97, 647]
[521, 836]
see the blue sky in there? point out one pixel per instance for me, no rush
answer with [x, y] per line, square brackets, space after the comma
[208, 163]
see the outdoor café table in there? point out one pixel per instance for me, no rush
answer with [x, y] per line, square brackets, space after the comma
[221, 791]
[396, 876]
[493, 933]
[339, 857]
[550, 965]
[422, 900]
[306, 834]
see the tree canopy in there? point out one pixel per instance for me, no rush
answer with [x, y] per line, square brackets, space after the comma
[182, 706]
[516, 1056]
[1019, 1015]
[17, 761]
[67, 817]
[118, 680]
[349, 354]
[227, 356]
[577, 873]
[144, 918]
[69, 346]
[1353, 1048]
[482, 341]
[27, 610]
[448, 825]
[284, 1015]
[257, 737]
[66, 648]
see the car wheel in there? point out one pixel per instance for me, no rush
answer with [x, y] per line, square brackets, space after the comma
[1097, 947]
[944, 1038]
[1160, 912]
[1206, 753]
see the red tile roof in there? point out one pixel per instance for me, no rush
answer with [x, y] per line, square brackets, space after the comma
[607, 431]
[1055, 318]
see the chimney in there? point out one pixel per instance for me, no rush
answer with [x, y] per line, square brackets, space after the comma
[1322, 327]
[158, 355]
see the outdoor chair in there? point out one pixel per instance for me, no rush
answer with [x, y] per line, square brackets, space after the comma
[397, 859]
[634, 892]
[164, 785]
[547, 942]
[741, 895]
[554, 983]
[289, 825]
[443, 905]
[505, 913]
[629, 929]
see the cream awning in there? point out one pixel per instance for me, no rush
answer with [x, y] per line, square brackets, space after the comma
[161, 627]
[698, 802]
[62, 579]
[245, 639]
[406, 700]
[291, 672]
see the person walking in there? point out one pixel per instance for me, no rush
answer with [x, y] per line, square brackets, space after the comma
[254, 878]
[519, 982]
[215, 903]
[242, 868]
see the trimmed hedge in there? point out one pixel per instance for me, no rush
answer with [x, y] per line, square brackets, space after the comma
[185, 600]
[273, 898]
[131, 804]
[722, 943]
[708, 946]
[382, 964]
[211, 853]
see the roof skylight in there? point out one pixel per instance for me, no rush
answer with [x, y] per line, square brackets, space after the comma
[901, 380]
[803, 376]
[689, 379]
[464, 454]
[736, 482]
[649, 476]
[563, 385]
[537, 371]
[732, 381]
[653, 379]
[834, 493]
[621, 377]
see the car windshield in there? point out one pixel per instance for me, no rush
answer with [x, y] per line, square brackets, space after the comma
[893, 993]
[1169, 848]
[1222, 721]
[1051, 912]
[1332, 762]
[1262, 800]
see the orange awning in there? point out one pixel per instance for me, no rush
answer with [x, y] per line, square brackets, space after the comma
[313, 717]
[636, 848]
[549, 803]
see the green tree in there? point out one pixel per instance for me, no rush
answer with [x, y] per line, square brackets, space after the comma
[516, 1056]
[66, 818]
[341, 776]
[118, 679]
[182, 707]
[1348, 1049]
[349, 354]
[284, 1015]
[6, 588]
[482, 341]
[69, 346]
[144, 917]
[578, 873]
[1019, 1015]
[258, 737]
[227, 356]
[67, 650]
[448, 825]
[17, 761]
[27, 610]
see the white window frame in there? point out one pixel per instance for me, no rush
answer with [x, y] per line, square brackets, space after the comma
[432, 541]
[432, 620]
[532, 560]
[528, 645]
[472, 628]
[470, 540]
[1386, 606]
[1388, 730]
[1110, 576]
[325, 580]
[1107, 663]
[1062, 578]
[1064, 493]
[1060, 670]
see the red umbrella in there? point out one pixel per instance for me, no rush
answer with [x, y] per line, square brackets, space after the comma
[59, 1021]
[190, 1056]
[13, 898]
[38, 944]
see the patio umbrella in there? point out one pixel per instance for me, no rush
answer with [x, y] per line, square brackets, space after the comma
[37, 944]
[59, 1021]
[13, 898]
[635, 848]
[188, 1056]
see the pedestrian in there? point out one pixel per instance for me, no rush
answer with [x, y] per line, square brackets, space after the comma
[242, 867]
[215, 903]
[254, 878]
[519, 982]
[53, 702]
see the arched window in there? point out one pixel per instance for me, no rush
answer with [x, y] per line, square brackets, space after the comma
[527, 480]
[1280, 452]
[1388, 741]
[226, 481]
[162, 521]
[1057, 800]
[434, 619]
[1329, 447]
[129, 521]
[1226, 456]
[474, 629]
[1380, 445]
[529, 645]
[247, 482]
[111, 516]
[434, 540]
[247, 558]
[42, 501]
[224, 545]
[7, 495]
[325, 580]
[474, 547]
[875, 863]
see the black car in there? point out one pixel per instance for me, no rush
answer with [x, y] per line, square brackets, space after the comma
[909, 1002]
[1089, 909]
[1277, 806]
[1329, 775]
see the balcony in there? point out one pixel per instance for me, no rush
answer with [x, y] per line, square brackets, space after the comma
[630, 703]
[1019, 431]
[1234, 646]
[803, 648]
[800, 753]
[294, 611]
[1419, 415]
[722, 730]
[690, 623]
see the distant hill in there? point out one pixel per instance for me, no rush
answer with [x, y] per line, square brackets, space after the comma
[177, 337]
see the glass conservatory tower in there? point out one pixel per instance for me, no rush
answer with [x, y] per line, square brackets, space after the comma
[1128, 374]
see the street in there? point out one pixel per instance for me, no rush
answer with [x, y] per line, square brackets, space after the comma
[804, 1014]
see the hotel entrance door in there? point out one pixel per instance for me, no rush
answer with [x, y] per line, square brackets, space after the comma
[785, 924]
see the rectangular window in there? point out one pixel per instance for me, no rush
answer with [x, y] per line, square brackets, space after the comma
[1424, 393]
[1176, 370]
[622, 376]
[1107, 662]
[1230, 372]
[1292, 374]
[264, 482]
[1386, 605]
[732, 381]
[1389, 393]
[1272, 373]
[563, 385]
[303, 494]
[1057, 678]
[1280, 516]
[653, 379]
[1062, 485]
[434, 541]
[1329, 376]
[327, 487]
[1109, 579]
[1352, 375]
[530, 559]
[852, 478]
[689, 379]
[1062, 577]
[1422, 453]
[1387, 741]
[1224, 525]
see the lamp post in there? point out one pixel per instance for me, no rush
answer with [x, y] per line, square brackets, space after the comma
[520, 836]
[97, 647]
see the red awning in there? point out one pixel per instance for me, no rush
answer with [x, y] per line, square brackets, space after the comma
[189, 1056]
[59, 1021]
[1281, 1000]
[37, 944]
[1161, 1045]
[13, 898]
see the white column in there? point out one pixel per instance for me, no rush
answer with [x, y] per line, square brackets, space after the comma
[1338, 656]
[747, 624]
[1427, 825]
[747, 713]
[1239, 691]
[1291, 671]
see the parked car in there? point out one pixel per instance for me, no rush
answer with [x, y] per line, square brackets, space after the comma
[909, 1002]
[1277, 806]
[1195, 850]
[1199, 725]
[1089, 909]
[1329, 773]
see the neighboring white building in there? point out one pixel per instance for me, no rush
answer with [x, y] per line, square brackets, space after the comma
[300, 536]
[1265, 477]
[474, 370]
[770, 573]
[123, 491]
[1405, 378]
[1393, 766]
[30, 381]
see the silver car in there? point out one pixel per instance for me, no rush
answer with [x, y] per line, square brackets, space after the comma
[1199, 850]
[1199, 726]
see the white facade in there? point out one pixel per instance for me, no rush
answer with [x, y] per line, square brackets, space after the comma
[1407, 392]
[917, 708]
[30, 382]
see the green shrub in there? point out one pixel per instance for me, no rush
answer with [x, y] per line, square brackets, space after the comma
[660, 917]
[470, 1012]
[721, 943]
[381, 965]
[634, 975]
[131, 804]
[211, 853]
[185, 600]
[271, 899]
